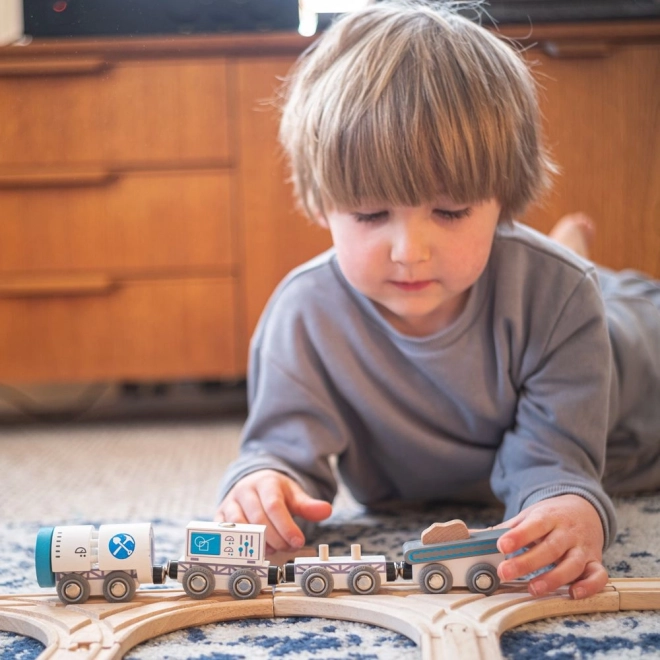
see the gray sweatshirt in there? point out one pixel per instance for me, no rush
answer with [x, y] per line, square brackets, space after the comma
[516, 398]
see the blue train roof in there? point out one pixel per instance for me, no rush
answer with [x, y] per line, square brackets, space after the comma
[479, 543]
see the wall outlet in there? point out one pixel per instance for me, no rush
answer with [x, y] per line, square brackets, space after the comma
[11, 21]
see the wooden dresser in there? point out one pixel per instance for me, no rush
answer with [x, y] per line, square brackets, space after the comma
[144, 218]
[144, 214]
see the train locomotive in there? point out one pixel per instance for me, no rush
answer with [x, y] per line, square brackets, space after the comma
[81, 561]
[114, 560]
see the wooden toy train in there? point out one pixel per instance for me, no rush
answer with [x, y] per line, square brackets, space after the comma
[114, 560]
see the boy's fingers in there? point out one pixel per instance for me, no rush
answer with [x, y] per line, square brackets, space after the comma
[550, 550]
[272, 498]
[513, 522]
[267, 507]
[247, 502]
[592, 581]
[525, 534]
[569, 569]
[230, 511]
[301, 504]
[314, 510]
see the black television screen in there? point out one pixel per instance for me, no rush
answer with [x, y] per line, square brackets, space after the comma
[559, 11]
[68, 18]
[532, 12]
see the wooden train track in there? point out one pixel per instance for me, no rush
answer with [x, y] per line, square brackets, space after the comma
[453, 625]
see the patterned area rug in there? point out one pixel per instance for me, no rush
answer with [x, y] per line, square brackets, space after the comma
[635, 553]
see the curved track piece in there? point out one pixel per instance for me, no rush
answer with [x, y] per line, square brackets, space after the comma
[457, 624]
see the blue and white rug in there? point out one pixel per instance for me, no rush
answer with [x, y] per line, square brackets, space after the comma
[635, 553]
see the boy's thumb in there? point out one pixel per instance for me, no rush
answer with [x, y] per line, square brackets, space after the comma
[301, 504]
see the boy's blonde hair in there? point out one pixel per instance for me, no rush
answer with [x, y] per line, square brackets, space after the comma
[398, 103]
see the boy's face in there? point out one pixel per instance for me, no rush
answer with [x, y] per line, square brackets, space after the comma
[416, 264]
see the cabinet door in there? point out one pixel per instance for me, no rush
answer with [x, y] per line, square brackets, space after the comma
[86, 111]
[276, 238]
[602, 118]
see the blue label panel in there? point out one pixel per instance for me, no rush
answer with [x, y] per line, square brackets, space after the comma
[204, 543]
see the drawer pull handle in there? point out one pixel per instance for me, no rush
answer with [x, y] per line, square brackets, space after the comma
[57, 179]
[83, 66]
[88, 285]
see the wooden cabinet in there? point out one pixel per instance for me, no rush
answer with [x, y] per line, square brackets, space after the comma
[118, 233]
[601, 110]
[145, 216]
[276, 238]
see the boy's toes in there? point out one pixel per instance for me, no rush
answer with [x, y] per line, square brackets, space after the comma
[575, 231]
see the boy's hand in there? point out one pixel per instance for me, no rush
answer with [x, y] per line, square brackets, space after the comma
[268, 497]
[565, 531]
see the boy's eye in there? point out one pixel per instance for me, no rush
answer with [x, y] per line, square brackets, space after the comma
[453, 215]
[371, 217]
[444, 214]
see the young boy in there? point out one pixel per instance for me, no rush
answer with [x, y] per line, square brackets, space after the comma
[440, 351]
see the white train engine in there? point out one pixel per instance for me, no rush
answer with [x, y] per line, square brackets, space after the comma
[112, 561]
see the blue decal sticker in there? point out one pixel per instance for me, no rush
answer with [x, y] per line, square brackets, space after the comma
[204, 543]
[121, 546]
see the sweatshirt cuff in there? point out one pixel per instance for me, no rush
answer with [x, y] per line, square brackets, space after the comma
[556, 491]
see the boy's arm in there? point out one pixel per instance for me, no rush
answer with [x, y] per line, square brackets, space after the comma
[556, 447]
[293, 428]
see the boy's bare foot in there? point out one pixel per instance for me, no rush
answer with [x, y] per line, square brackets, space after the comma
[576, 232]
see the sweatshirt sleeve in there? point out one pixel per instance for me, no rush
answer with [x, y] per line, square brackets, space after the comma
[557, 443]
[294, 425]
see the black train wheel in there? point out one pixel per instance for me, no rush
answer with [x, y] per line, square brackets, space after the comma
[73, 589]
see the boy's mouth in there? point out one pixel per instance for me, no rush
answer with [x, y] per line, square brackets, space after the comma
[417, 285]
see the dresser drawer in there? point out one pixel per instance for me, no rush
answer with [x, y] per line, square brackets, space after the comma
[87, 110]
[165, 328]
[133, 222]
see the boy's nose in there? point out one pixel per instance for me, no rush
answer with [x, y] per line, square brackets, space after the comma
[410, 247]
